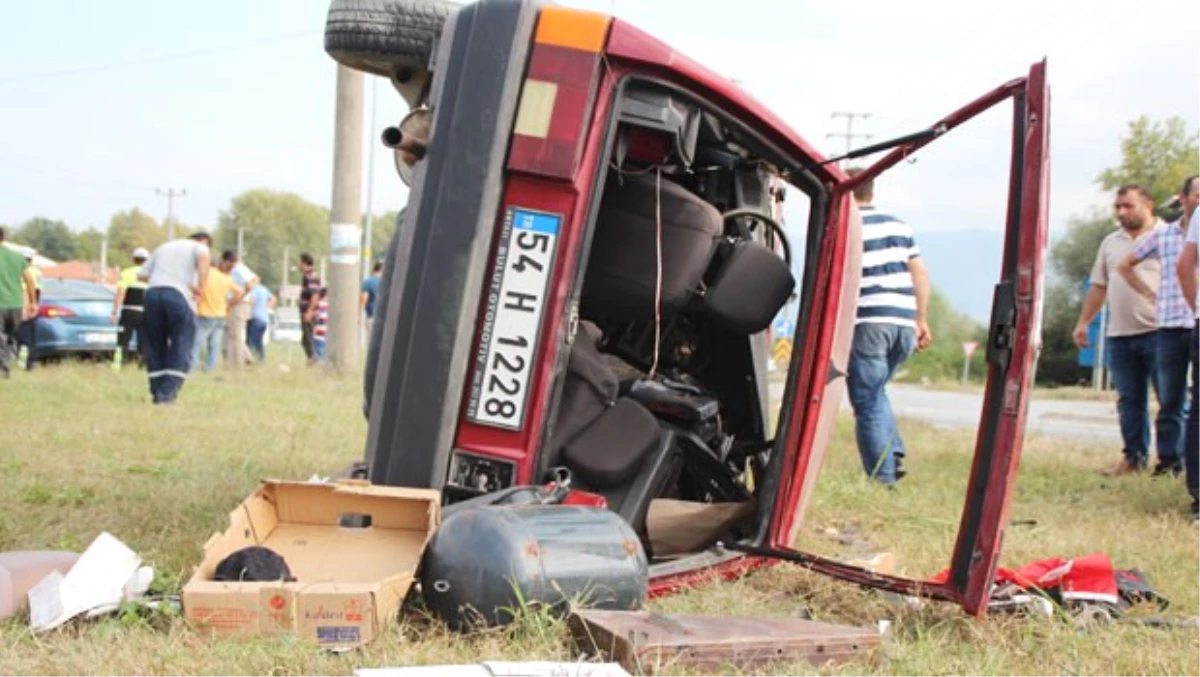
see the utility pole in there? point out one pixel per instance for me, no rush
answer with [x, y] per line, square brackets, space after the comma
[284, 273]
[103, 258]
[241, 242]
[171, 194]
[345, 230]
[848, 136]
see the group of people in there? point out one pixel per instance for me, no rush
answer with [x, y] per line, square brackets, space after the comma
[232, 309]
[1146, 272]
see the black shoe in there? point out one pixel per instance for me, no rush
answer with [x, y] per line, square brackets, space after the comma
[1174, 469]
[900, 471]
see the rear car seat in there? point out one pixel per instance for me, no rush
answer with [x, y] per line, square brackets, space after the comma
[622, 270]
[613, 445]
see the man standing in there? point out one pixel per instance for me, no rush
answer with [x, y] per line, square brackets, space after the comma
[893, 301]
[370, 292]
[1188, 274]
[17, 301]
[310, 289]
[1174, 320]
[212, 308]
[176, 272]
[1132, 327]
[236, 351]
[127, 307]
[262, 301]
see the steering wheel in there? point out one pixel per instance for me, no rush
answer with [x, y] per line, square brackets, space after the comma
[774, 225]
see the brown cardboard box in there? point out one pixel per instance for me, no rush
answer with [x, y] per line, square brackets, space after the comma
[350, 581]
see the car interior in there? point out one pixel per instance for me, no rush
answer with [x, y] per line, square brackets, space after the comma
[662, 395]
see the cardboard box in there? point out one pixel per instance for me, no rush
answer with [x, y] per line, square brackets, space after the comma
[349, 581]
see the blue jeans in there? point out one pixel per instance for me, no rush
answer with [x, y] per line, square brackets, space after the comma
[1134, 371]
[256, 329]
[1174, 349]
[169, 330]
[210, 331]
[1191, 441]
[877, 351]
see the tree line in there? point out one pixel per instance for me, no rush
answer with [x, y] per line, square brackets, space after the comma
[272, 223]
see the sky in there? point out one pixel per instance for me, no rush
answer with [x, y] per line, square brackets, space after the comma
[102, 104]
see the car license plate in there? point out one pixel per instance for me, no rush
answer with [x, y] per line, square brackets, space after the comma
[100, 337]
[513, 319]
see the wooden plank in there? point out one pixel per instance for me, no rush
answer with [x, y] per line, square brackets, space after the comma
[646, 642]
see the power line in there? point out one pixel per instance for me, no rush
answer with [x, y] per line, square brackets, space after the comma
[849, 136]
[151, 60]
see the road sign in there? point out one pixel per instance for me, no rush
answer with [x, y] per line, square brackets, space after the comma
[783, 352]
[969, 348]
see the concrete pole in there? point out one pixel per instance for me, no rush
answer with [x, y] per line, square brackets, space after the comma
[103, 258]
[345, 232]
[283, 278]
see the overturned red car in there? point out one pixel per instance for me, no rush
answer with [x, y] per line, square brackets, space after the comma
[583, 281]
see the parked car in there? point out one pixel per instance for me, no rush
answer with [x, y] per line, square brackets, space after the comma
[591, 261]
[74, 320]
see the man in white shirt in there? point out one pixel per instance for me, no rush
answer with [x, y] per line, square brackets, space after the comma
[176, 272]
[237, 350]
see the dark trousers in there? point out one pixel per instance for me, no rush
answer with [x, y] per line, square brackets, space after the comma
[27, 336]
[1174, 350]
[1134, 361]
[130, 324]
[255, 331]
[306, 340]
[10, 322]
[1191, 438]
[169, 328]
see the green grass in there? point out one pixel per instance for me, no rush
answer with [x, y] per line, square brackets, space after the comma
[84, 452]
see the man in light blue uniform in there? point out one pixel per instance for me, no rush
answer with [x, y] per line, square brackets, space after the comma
[893, 301]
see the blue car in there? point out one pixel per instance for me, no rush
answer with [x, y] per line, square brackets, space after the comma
[74, 319]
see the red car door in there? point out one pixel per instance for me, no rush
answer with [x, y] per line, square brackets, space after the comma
[1013, 345]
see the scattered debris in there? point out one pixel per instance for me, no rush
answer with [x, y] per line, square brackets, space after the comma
[352, 547]
[500, 669]
[21, 570]
[644, 642]
[105, 575]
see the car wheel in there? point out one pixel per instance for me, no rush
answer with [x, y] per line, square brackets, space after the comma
[383, 37]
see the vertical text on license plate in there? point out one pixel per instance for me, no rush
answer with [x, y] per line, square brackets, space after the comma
[514, 319]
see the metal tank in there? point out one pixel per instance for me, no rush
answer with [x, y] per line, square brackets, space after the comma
[484, 564]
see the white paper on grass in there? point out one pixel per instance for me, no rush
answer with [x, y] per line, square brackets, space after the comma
[501, 669]
[97, 579]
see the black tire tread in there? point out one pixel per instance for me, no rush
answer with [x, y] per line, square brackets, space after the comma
[378, 36]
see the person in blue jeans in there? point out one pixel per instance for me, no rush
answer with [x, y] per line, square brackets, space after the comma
[891, 324]
[262, 300]
[1132, 335]
[1175, 319]
[1188, 273]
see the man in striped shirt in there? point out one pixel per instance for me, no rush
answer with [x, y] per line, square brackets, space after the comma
[893, 300]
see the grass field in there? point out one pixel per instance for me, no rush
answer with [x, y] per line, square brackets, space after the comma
[83, 451]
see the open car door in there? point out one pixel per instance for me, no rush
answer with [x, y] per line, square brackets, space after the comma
[1014, 342]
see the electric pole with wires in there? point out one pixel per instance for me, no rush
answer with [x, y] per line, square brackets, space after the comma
[171, 194]
[849, 135]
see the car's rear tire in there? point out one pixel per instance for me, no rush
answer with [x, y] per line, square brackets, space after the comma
[384, 36]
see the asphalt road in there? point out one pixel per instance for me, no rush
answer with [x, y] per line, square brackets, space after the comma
[1053, 418]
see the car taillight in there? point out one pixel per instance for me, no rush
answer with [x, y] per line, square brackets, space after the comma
[558, 93]
[50, 311]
